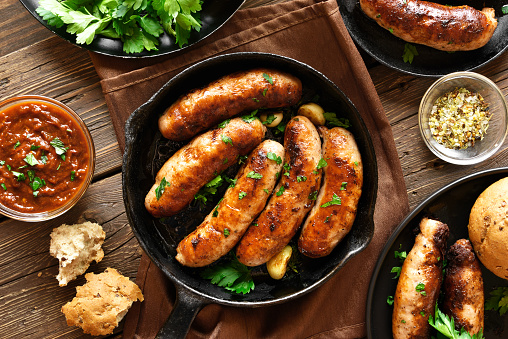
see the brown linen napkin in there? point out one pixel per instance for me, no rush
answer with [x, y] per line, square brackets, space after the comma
[312, 32]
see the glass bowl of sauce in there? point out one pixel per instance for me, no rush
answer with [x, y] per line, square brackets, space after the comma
[463, 118]
[47, 158]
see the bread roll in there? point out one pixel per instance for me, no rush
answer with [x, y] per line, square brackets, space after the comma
[488, 228]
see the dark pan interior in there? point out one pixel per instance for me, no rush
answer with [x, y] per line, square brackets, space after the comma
[388, 49]
[146, 151]
[451, 205]
[213, 15]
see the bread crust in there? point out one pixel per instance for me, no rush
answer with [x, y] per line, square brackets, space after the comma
[488, 228]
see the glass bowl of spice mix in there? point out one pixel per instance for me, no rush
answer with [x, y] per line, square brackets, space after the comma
[47, 158]
[463, 118]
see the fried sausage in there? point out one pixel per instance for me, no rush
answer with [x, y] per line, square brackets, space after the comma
[447, 28]
[226, 224]
[227, 97]
[198, 162]
[419, 282]
[293, 198]
[463, 288]
[334, 213]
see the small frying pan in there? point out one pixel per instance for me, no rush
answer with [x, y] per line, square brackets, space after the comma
[146, 150]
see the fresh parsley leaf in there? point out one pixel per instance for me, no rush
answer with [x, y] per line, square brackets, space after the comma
[73, 175]
[226, 232]
[445, 325]
[242, 195]
[498, 300]
[59, 147]
[226, 139]
[232, 182]
[255, 99]
[313, 195]
[332, 120]
[286, 167]
[3, 186]
[16, 145]
[241, 159]
[409, 53]
[264, 91]
[233, 276]
[504, 9]
[335, 201]
[389, 300]
[269, 119]
[280, 191]
[322, 163]
[30, 159]
[343, 186]
[33, 147]
[254, 175]
[301, 178]
[209, 189]
[2, 162]
[161, 188]
[266, 191]
[19, 176]
[274, 157]
[8, 167]
[268, 78]
[224, 123]
[250, 117]
[396, 270]
[36, 183]
[420, 287]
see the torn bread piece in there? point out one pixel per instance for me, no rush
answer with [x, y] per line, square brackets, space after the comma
[76, 246]
[102, 302]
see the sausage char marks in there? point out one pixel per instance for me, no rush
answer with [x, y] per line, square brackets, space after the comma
[448, 28]
[326, 226]
[226, 97]
[419, 282]
[242, 202]
[463, 288]
[293, 197]
[195, 164]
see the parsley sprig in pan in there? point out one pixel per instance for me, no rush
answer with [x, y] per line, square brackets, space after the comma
[138, 23]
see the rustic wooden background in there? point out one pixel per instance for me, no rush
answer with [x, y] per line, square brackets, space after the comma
[35, 61]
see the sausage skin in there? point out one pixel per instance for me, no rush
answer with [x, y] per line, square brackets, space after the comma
[342, 178]
[227, 97]
[447, 28]
[463, 288]
[419, 282]
[292, 199]
[198, 162]
[225, 225]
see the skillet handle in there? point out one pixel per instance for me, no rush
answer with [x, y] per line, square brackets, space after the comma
[186, 308]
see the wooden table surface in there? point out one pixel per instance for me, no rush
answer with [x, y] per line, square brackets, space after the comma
[35, 61]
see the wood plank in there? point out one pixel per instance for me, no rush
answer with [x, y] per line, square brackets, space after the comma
[30, 298]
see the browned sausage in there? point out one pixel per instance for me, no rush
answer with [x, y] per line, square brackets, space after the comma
[333, 215]
[293, 197]
[226, 224]
[419, 282]
[227, 97]
[448, 28]
[198, 162]
[463, 288]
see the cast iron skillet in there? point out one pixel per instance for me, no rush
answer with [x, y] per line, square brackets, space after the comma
[146, 150]
[451, 205]
[388, 49]
[213, 15]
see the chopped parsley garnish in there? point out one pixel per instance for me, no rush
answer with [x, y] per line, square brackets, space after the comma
[232, 182]
[332, 120]
[73, 175]
[17, 144]
[422, 313]
[280, 191]
[264, 91]
[401, 256]
[389, 300]
[59, 147]
[161, 188]
[255, 99]
[224, 123]
[286, 167]
[343, 186]
[313, 195]
[274, 157]
[60, 164]
[280, 128]
[250, 117]
[44, 158]
[266, 191]
[356, 163]
[2, 162]
[403, 321]
[504, 9]
[33, 147]
[409, 53]
[209, 189]
[241, 195]
[268, 78]
[498, 300]
[301, 178]
[226, 232]
[226, 139]
[233, 276]
[225, 160]
[269, 119]
[241, 159]
[3, 186]
[322, 163]
[420, 287]
[391, 30]
[327, 219]
[254, 175]
[335, 201]
[30, 159]
[8, 167]
[37, 183]
[19, 176]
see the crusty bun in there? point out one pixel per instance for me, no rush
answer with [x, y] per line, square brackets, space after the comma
[488, 228]
[102, 302]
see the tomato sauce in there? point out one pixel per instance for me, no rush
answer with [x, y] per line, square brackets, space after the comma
[44, 157]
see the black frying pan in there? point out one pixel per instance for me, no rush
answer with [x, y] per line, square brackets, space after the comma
[146, 150]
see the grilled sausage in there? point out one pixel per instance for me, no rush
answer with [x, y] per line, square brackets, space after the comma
[198, 162]
[226, 97]
[226, 224]
[334, 213]
[463, 288]
[448, 28]
[293, 198]
[419, 282]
